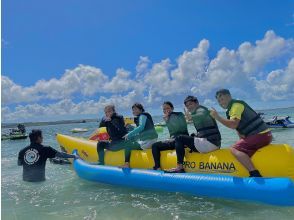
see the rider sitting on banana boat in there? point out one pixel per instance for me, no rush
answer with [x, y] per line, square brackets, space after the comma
[252, 130]
[145, 132]
[176, 124]
[116, 129]
[207, 139]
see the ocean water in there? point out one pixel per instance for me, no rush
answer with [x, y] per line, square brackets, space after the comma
[65, 196]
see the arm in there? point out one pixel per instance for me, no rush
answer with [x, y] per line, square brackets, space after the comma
[51, 153]
[65, 155]
[102, 123]
[230, 123]
[137, 130]
[19, 160]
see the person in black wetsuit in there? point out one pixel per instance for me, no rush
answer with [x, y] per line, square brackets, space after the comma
[116, 129]
[176, 124]
[33, 157]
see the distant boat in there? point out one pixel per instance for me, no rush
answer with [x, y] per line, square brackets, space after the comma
[280, 122]
[14, 136]
[15, 133]
[78, 130]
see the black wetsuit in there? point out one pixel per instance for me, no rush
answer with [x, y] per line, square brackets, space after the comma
[116, 130]
[33, 159]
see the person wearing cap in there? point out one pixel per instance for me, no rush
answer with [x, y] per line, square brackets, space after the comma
[252, 130]
[207, 139]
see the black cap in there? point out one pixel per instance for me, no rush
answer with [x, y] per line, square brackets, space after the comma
[190, 98]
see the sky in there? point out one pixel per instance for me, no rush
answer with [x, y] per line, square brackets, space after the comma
[68, 59]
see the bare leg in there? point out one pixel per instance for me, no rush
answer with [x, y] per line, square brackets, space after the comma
[244, 159]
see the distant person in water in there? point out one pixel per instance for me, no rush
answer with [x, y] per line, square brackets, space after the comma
[33, 157]
[252, 130]
[116, 129]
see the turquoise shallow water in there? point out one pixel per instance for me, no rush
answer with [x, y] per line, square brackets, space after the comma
[65, 196]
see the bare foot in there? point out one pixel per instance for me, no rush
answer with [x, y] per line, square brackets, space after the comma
[126, 165]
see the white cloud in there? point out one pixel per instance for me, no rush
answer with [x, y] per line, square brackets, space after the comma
[232, 69]
[67, 107]
[142, 66]
[244, 71]
[121, 82]
[13, 93]
[223, 71]
[190, 69]
[64, 107]
[270, 47]
[192, 64]
[158, 79]
[83, 79]
[278, 85]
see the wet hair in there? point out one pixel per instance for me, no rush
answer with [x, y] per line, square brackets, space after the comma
[222, 92]
[109, 106]
[191, 98]
[168, 103]
[34, 135]
[139, 106]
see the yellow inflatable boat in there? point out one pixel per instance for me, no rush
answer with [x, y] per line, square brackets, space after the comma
[275, 160]
[129, 120]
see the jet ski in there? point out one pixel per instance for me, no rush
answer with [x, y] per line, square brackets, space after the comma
[280, 122]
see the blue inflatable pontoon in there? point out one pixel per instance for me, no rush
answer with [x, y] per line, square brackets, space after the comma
[275, 191]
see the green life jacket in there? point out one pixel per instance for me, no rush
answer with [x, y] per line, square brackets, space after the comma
[177, 124]
[206, 126]
[250, 123]
[149, 131]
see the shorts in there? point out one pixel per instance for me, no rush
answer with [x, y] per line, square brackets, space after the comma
[249, 145]
[203, 145]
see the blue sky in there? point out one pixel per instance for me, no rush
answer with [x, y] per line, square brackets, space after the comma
[43, 39]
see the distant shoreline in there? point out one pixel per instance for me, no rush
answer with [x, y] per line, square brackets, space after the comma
[77, 121]
[30, 124]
